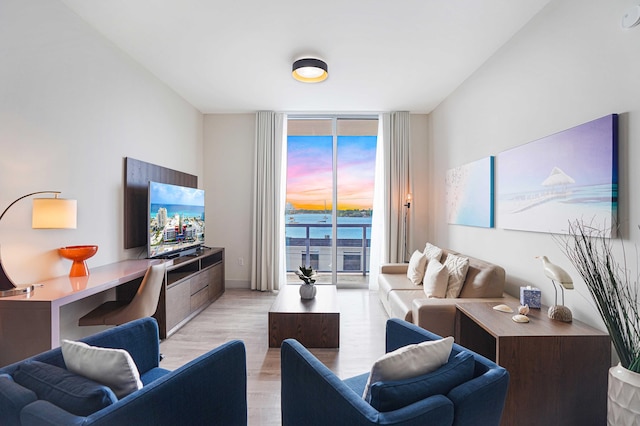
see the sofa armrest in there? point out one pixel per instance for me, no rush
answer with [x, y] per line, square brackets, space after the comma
[210, 390]
[394, 268]
[481, 400]
[313, 395]
[13, 398]
[436, 315]
[439, 315]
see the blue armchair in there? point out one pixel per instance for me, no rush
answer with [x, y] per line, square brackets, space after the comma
[313, 395]
[210, 390]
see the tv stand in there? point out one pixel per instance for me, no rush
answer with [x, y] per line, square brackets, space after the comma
[192, 282]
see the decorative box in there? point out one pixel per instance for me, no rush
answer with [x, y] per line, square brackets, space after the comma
[530, 296]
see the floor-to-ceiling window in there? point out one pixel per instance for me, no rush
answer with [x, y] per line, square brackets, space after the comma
[330, 177]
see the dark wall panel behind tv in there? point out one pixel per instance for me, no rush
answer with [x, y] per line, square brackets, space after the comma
[137, 175]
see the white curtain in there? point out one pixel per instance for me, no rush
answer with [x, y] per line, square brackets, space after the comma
[392, 184]
[268, 270]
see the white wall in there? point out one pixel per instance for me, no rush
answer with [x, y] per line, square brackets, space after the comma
[571, 64]
[72, 106]
[229, 173]
[228, 177]
[420, 222]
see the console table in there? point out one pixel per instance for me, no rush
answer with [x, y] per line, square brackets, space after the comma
[558, 371]
[30, 324]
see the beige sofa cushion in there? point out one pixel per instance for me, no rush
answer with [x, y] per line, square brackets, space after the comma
[483, 279]
[401, 303]
[436, 279]
[457, 267]
[417, 264]
[432, 252]
[394, 281]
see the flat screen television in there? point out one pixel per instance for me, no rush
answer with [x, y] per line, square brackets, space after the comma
[175, 220]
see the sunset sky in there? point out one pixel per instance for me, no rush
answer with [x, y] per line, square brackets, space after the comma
[309, 171]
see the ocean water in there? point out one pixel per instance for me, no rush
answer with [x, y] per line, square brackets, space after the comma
[320, 226]
[174, 209]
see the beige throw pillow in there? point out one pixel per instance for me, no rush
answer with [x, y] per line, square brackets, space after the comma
[432, 252]
[415, 271]
[436, 279]
[112, 367]
[410, 361]
[457, 267]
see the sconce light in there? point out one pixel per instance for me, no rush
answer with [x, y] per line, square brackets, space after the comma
[408, 203]
[47, 213]
[406, 213]
[310, 70]
[556, 273]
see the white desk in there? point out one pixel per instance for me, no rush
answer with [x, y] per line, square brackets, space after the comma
[30, 324]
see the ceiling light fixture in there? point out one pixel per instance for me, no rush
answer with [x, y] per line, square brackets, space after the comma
[310, 70]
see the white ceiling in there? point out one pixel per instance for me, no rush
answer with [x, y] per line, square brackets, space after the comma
[383, 55]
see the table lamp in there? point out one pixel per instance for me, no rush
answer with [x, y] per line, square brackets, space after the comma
[47, 213]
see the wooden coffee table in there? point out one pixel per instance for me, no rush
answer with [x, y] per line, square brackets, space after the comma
[315, 323]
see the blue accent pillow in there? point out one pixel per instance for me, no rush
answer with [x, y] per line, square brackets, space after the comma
[71, 392]
[392, 395]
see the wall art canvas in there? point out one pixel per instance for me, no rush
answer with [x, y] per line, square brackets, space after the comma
[469, 194]
[571, 175]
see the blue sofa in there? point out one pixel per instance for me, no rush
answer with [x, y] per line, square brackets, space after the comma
[313, 395]
[210, 390]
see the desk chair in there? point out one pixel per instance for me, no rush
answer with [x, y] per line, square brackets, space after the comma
[143, 304]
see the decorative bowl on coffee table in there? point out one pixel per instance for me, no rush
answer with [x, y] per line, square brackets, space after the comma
[79, 255]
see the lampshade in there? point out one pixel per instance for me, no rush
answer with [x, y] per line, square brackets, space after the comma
[54, 213]
[310, 70]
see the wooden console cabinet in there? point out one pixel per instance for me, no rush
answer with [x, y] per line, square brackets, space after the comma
[558, 371]
[191, 284]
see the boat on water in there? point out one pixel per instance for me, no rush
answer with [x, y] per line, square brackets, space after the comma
[325, 217]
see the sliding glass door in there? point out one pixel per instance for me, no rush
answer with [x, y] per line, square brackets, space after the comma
[330, 175]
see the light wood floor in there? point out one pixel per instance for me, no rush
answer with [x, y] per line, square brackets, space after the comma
[243, 314]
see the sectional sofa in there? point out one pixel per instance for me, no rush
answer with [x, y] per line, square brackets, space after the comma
[403, 299]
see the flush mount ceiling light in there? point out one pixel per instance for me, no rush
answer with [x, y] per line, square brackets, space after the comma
[310, 70]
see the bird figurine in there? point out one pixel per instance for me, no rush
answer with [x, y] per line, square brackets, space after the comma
[559, 277]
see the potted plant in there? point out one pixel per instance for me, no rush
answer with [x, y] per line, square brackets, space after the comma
[308, 289]
[615, 293]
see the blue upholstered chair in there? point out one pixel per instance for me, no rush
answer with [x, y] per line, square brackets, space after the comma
[313, 395]
[210, 390]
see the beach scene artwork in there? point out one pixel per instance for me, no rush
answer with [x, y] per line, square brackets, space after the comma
[469, 194]
[544, 185]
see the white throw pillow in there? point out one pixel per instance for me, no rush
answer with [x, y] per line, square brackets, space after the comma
[415, 271]
[436, 279]
[410, 361]
[111, 367]
[457, 267]
[432, 252]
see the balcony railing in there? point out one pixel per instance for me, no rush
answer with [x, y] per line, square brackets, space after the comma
[317, 251]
